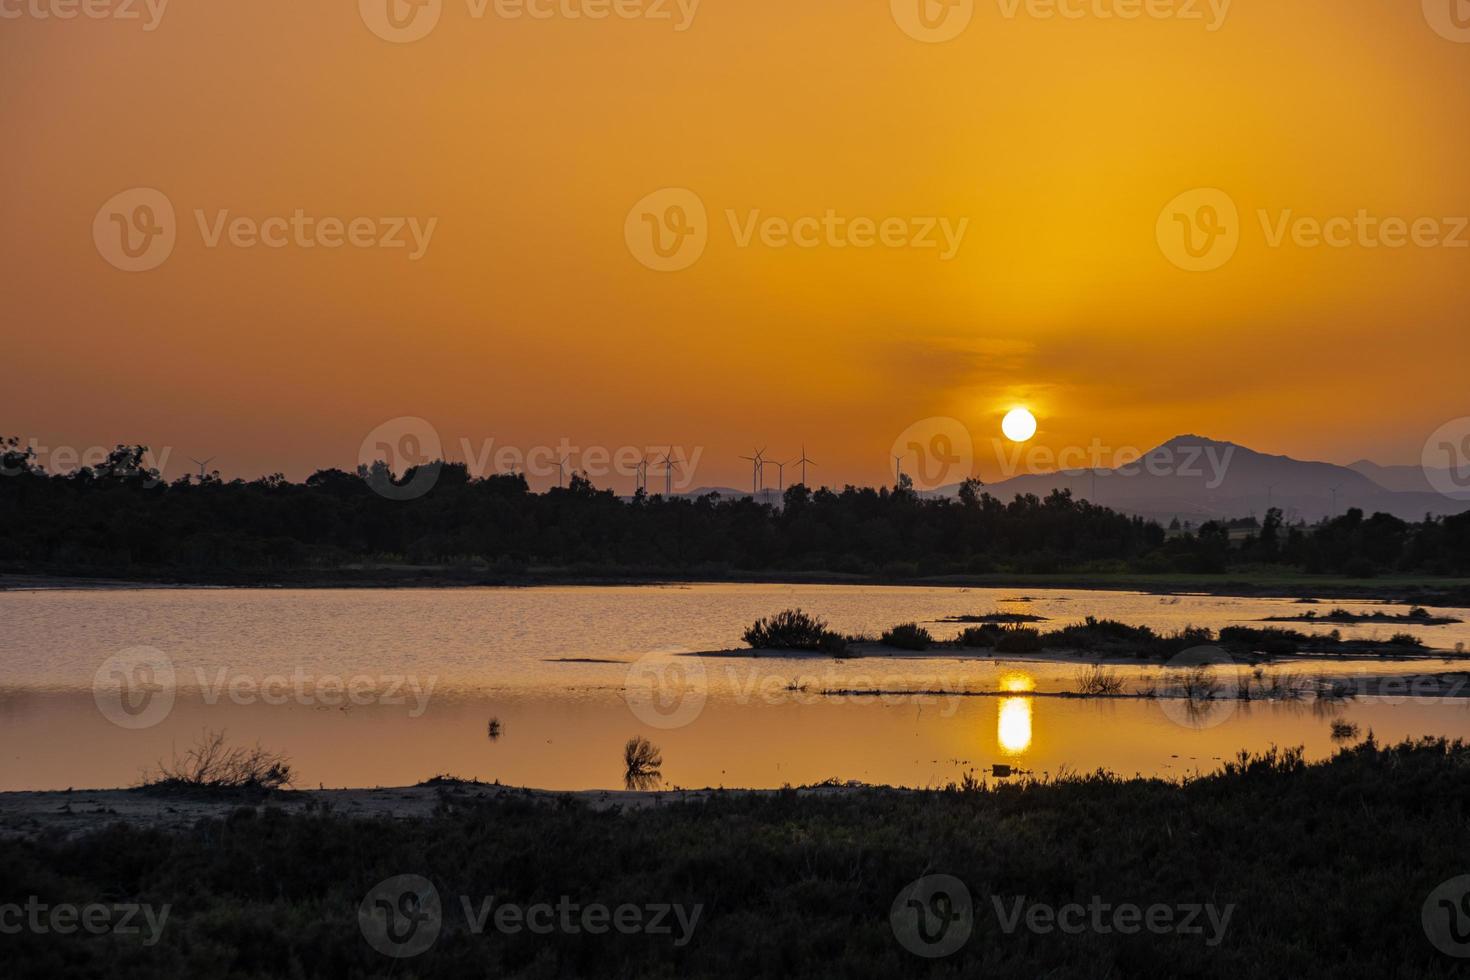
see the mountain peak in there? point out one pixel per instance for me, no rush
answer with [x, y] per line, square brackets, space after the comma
[1190, 440]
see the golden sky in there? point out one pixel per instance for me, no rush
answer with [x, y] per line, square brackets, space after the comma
[529, 319]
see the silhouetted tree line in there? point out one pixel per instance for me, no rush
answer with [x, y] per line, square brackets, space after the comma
[1352, 544]
[119, 518]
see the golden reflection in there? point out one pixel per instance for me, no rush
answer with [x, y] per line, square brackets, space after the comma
[1014, 728]
[1017, 682]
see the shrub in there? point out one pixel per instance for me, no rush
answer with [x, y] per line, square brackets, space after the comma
[1406, 640]
[1269, 640]
[979, 636]
[1095, 681]
[1197, 684]
[833, 643]
[788, 630]
[1019, 639]
[1112, 637]
[908, 636]
[214, 766]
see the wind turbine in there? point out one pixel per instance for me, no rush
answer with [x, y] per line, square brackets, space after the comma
[1334, 498]
[757, 471]
[1270, 495]
[640, 476]
[898, 470]
[561, 471]
[201, 463]
[804, 463]
[781, 475]
[669, 475]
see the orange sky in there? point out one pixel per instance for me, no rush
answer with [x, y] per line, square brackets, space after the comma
[529, 320]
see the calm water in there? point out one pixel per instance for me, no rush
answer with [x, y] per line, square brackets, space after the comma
[364, 688]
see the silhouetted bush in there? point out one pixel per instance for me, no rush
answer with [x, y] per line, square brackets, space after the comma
[979, 636]
[212, 765]
[1110, 637]
[791, 629]
[908, 636]
[1019, 639]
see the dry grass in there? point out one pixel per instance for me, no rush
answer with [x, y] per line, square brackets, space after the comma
[215, 765]
[1098, 681]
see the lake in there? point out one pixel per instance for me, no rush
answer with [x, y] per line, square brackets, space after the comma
[390, 687]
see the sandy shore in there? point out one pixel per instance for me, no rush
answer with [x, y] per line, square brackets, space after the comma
[70, 813]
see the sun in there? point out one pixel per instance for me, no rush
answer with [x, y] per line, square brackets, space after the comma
[1019, 425]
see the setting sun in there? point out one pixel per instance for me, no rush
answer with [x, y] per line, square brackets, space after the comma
[1019, 425]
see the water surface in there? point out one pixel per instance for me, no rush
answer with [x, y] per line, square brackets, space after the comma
[431, 668]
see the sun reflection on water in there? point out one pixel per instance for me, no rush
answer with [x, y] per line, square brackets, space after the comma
[1014, 728]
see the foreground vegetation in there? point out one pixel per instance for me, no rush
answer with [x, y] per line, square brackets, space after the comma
[1327, 865]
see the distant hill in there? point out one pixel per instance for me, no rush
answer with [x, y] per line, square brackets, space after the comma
[1403, 479]
[1197, 479]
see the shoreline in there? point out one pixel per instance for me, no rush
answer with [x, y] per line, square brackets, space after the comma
[1404, 591]
[28, 814]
